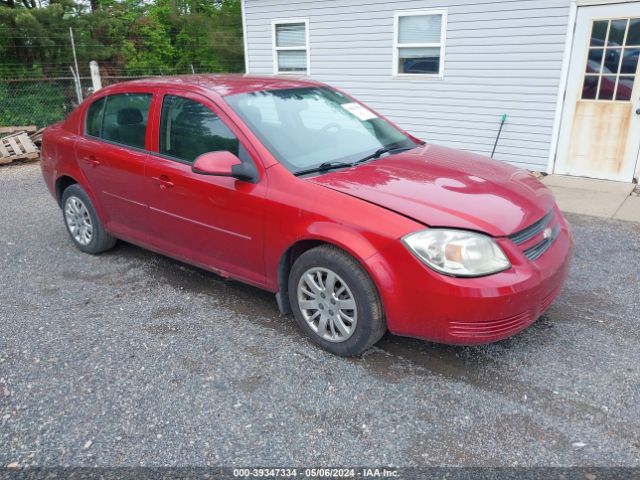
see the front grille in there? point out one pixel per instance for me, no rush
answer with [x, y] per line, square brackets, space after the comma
[490, 328]
[538, 249]
[547, 229]
[532, 230]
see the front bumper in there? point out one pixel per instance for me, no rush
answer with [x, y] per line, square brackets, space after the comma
[422, 303]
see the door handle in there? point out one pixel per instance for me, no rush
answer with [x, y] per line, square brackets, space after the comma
[164, 182]
[92, 161]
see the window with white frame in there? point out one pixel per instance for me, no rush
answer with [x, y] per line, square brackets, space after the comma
[291, 46]
[419, 40]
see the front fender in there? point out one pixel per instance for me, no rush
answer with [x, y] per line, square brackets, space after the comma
[352, 241]
[300, 211]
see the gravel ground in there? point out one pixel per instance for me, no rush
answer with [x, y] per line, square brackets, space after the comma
[130, 358]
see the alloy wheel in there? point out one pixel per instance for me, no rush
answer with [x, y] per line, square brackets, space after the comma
[78, 220]
[327, 304]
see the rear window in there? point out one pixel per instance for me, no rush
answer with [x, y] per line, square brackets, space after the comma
[94, 117]
[125, 118]
[120, 118]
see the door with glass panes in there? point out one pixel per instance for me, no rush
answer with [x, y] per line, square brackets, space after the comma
[600, 130]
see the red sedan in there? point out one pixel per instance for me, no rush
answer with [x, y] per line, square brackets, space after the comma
[295, 187]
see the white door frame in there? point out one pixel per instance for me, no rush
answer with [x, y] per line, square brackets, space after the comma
[564, 75]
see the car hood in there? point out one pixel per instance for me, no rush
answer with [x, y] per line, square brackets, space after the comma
[443, 187]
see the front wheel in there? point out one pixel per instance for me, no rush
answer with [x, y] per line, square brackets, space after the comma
[335, 302]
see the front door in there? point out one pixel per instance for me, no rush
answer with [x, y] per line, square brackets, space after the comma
[600, 130]
[215, 222]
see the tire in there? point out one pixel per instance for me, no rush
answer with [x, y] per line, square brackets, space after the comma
[329, 321]
[82, 222]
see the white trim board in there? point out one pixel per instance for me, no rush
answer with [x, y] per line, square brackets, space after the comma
[244, 37]
[564, 79]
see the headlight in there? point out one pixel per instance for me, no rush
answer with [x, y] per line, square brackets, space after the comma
[457, 252]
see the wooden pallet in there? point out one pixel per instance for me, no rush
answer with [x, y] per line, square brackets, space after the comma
[36, 137]
[28, 128]
[17, 146]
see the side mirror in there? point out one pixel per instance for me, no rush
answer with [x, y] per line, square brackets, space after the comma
[224, 164]
[219, 164]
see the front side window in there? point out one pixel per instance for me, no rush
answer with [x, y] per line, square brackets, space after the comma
[419, 43]
[290, 46]
[306, 127]
[188, 129]
[125, 119]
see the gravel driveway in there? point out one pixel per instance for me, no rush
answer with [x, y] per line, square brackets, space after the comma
[130, 358]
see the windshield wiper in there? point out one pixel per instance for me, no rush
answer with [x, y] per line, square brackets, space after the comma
[382, 151]
[324, 167]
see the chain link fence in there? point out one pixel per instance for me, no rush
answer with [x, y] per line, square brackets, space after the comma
[43, 101]
[37, 102]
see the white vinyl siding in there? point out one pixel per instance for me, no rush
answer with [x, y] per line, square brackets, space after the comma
[501, 57]
[419, 38]
[291, 46]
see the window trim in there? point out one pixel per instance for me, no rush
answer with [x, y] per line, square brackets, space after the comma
[396, 45]
[275, 49]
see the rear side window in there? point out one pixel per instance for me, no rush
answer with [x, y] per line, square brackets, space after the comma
[94, 117]
[125, 118]
[188, 129]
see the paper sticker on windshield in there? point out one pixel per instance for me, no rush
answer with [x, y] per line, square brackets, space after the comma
[359, 111]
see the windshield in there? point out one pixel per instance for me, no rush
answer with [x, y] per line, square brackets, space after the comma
[308, 127]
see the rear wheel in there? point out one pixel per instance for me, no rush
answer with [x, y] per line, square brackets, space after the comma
[335, 302]
[82, 222]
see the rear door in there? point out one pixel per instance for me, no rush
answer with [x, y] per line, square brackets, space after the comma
[216, 222]
[112, 155]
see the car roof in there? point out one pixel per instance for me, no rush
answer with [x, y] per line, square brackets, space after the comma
[227, 84]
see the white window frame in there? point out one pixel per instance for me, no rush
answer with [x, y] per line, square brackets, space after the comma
[397, 46]
[275, 49]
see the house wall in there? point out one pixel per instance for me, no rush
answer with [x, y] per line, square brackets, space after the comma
[500, 57]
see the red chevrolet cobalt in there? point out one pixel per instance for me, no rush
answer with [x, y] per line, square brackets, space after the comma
[295, 187]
